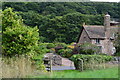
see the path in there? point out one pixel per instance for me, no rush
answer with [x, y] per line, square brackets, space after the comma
[63, 68]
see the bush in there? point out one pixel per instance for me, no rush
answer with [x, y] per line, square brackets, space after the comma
[18, 38]
[61, 51]
[62, 45]
[59, 46]
[47, 47]
[90, 60]
[72, 45]
[87, 48]
[98, 58]
[117, 54]
[43, 45]
[65, 52]
[50, 45]
[68, 53]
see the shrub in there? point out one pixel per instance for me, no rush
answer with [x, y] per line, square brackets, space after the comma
[43, 45]
[50, 45]
[52, 50]
[87, 48]
[65, 52]
[61, 51]
[47, 47]
[18, 38]
[59, 46]
[117, 43]
[90, 60]
[71, 47]
[62, 45]
[43, 49]
[117, 54]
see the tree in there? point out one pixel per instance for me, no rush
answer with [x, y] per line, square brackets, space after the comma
[17, 38]
[32, 18]
[117, 45]
[62, 22]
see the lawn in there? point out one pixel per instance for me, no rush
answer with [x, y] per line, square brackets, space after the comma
[103, 73]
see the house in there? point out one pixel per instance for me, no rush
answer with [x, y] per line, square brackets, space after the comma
[101, 36]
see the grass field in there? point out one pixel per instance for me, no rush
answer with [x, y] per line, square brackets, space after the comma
[104, 73]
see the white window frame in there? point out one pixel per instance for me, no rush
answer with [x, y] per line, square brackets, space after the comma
[97, 41]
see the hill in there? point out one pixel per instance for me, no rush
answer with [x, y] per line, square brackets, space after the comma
[62, 21]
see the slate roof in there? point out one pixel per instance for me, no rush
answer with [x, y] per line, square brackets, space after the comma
[95, 31]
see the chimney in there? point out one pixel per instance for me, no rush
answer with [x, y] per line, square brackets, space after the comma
[107, 21]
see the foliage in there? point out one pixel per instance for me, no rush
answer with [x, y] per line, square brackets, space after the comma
[117, 54]
[117, 45]
[99, 58]
[71, 47]
[87, 48]
[32, 18]
[50, 45]
[10, 19]
[38, 62]
[62, 22]
[59, 46]
[65, 52]
[90, 61]
[63, 45]
[60, 9]
[18, 38]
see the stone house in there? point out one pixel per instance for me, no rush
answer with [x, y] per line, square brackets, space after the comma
[101, 36]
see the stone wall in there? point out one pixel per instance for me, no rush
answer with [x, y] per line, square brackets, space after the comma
[84, 37]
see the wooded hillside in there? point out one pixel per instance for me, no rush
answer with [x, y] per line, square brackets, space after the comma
[62, 22]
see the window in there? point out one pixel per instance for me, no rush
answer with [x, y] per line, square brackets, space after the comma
[97, 41]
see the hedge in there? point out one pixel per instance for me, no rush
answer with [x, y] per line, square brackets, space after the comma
[90, 61]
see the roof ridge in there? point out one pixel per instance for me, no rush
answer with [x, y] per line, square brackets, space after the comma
[93, 25]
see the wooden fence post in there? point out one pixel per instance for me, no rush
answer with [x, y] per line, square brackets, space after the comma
[80, 62]
[50, 65]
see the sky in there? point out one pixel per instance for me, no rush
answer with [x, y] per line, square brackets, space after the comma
[106, 0]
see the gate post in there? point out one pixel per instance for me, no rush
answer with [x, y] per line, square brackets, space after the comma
[50, 65]
[80, 64]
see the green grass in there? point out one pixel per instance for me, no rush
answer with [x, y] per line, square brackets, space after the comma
[104, 73]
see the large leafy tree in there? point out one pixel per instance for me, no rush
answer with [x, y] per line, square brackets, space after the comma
[17, 38]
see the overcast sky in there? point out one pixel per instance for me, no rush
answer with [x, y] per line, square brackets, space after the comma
[106, 0]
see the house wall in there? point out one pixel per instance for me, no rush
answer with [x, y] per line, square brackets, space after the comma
[106, 46]
[84, 37]
[102, 42]
[109, 48]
